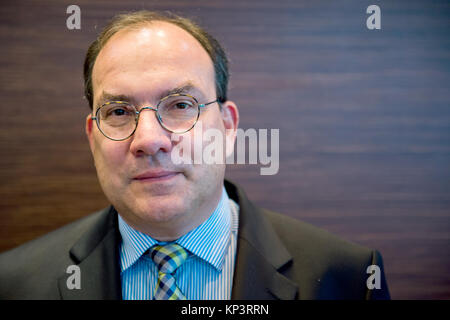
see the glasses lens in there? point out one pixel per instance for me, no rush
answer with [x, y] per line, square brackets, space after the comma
[117, 120]
[178, 113]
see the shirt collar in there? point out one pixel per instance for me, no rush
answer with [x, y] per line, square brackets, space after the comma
[209, 241]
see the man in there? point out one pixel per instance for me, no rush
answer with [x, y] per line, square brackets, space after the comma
[176, 231]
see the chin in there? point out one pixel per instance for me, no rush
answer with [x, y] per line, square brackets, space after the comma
[161, 210]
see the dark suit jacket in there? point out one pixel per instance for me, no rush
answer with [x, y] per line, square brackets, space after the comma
[277, 258]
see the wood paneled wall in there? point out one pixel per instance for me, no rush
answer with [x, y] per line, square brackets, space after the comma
[363, 117]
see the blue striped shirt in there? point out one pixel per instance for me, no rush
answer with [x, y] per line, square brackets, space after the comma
[206, 274]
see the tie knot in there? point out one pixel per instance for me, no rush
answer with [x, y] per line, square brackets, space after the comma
[168, 257]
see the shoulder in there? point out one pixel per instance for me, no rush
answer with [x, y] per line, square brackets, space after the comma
[59, 240]
[38, 263]
[325, 265]
[302, 240]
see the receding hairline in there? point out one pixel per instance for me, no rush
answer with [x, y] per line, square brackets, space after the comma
[141, 24]
[148, 24]
[135, 20]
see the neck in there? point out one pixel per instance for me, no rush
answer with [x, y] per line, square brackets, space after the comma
[170, 230]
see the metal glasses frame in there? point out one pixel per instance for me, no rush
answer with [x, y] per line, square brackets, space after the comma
[138, 112]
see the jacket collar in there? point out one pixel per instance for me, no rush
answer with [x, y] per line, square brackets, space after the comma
[260, 255]
[97, 255]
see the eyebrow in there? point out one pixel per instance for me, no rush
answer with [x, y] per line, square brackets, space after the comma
[188, 88]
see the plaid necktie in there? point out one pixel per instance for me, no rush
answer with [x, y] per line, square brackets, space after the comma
[168, 258]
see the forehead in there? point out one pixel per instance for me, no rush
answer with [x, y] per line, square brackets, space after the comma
[149, 59]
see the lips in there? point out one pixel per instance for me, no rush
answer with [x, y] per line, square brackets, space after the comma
[155, 175]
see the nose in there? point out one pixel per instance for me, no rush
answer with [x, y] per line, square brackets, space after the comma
[150, 137]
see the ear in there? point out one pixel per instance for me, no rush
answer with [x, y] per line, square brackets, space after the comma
[89, 131]
[230, 116]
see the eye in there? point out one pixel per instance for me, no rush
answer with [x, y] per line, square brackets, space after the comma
[178, 105]
[116, 111]
[182, 105]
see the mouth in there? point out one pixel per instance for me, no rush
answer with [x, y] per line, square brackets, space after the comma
[155, 176]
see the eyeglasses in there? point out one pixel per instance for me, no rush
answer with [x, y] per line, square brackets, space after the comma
[177, 113]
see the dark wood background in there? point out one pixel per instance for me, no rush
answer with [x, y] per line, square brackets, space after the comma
[363, 115]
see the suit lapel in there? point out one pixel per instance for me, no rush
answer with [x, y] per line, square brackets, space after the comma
[97, 255]
[260, 255]
[257, 279]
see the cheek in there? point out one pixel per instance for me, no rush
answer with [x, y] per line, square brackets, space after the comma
[109, 157]
[210, 145]
[204, 139]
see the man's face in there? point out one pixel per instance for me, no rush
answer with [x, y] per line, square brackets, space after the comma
[137, 175]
